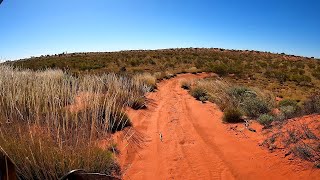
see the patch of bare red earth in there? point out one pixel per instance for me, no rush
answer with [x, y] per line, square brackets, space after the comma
[195, 144]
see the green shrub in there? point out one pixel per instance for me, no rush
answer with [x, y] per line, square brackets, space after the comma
[220, 69]
[289, 108]
[254, 107]
[277, 74]
[199, 93]
[203, 98]
[288, 102]
[280, 117]
[249, 101]
[300, 79]
[312, 104]
[232, 115]
[316, 74]
[236, 68]
[241, 93]
[289, 111]
[265, 119]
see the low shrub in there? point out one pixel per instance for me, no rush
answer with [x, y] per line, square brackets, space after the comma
[277, 74]
[302, 142]
[308, 133]
[237, 68]
[254, 107]
[300, 79]
[279, 117]
[199, 93]
[232, 115]
[289, 108]
[304, 152]
[252, 103]
[239, 94]
[312, 104]
[288, 102]
[203, 98]
[185, 84]
[293, 136]
[265, 120]
[289, 111]
[220, 69]
[316, 74]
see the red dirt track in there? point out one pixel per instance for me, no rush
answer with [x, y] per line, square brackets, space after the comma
[195, 143]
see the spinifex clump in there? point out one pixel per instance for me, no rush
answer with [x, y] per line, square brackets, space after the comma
[50, 121]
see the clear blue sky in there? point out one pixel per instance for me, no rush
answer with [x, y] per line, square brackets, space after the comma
[35, 27]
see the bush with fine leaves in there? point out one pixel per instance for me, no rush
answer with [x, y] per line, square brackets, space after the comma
[232, 115]
[312, 104]
[249, 101]
[289, 108]
[265, 119]
[253, 107]
[199, 93]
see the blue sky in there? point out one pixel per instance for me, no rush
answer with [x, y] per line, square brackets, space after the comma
[36, 27]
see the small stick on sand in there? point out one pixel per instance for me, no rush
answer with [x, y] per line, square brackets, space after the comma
[160, 134]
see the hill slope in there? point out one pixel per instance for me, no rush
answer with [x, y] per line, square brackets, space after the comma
[286, 75]
[147, 59]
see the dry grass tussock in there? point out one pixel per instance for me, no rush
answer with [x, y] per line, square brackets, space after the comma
[147, 79]
[163, 75]
[212, 90]
[44, 137]
[186, 84]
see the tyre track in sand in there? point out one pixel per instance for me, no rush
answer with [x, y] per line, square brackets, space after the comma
[195, 143]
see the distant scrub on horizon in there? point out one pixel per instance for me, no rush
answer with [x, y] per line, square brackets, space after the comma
[280, 73]
[154, 60]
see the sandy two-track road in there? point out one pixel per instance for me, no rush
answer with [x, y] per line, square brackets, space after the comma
[195, 144]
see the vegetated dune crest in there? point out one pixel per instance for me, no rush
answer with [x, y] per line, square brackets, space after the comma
[177, 137]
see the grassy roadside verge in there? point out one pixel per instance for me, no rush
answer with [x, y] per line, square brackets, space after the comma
[51, 122]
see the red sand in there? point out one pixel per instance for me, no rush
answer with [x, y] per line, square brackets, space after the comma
[195, 143]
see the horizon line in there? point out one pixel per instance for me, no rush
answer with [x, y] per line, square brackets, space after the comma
[158, 49]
